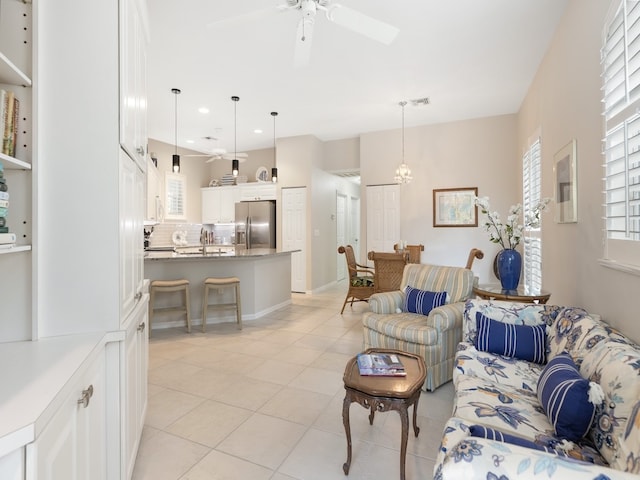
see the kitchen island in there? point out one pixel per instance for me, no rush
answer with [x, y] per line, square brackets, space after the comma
[264, 273]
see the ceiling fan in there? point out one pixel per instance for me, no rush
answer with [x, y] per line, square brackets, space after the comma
[338, 14]
[219, 153]
[334, 12]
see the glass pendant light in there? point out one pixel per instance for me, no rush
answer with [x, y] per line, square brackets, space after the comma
[235, 164]
[274, 170]
[403, 172]
[175, 161]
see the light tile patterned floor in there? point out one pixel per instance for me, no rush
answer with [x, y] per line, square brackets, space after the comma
[265, 403]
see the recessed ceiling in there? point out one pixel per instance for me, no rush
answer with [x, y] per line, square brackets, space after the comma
[470, 58]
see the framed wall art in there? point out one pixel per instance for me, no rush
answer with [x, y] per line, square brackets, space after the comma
[566, 184]
[455, 207]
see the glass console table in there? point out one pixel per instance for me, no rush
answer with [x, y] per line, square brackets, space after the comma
[521, 294]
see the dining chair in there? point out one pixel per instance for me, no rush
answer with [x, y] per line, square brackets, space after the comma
[361, 278]
[388, 269]
[414, 251]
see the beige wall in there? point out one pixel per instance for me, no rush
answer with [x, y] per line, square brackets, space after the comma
[564, 102]
[473, 153]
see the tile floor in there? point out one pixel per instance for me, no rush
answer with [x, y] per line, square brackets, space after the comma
[265, 403]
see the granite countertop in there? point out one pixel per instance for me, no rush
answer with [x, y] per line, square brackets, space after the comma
[214, 252]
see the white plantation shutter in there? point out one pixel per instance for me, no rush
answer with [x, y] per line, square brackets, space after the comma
[176, 196]
[620, 57]
[532, 237]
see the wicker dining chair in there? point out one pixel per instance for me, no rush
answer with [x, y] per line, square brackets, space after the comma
[361, 278]
[388, 268]
[414, 251]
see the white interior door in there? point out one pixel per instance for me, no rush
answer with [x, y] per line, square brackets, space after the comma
[294, 234]
[383, 217]
[341, 234]
[354, 226]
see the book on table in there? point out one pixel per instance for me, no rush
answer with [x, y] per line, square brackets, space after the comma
[380, 364]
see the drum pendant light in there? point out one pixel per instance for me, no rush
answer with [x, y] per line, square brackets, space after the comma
[403, 172]
[176, 158]
[235, 164]
[274, 170]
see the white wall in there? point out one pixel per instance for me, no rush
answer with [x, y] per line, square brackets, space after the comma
[564, 102]
[473, 153]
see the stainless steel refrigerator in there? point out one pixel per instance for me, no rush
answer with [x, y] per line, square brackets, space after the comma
[256, 224]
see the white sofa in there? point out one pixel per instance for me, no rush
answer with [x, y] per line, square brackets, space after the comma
[496, 397]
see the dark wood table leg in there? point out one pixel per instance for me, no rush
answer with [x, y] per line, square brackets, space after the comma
[404, 418]
[347, 428]
[416, 429]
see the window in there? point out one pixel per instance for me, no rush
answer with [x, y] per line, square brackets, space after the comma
[532, 237]
[620, 58]
[175, 188]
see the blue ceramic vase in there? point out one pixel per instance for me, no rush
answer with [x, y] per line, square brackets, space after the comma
[509, 267]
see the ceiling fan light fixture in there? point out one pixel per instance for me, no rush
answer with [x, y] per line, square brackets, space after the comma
[403, 172]
[175, 160]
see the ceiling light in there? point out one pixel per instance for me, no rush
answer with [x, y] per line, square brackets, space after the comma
[235, 164]
[257, 130]
[203, 110]
[403, 172]
[190, 141]
[176, 158]
[274, 170]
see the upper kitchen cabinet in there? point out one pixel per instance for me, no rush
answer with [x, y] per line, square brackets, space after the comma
[257, 191]
[219, 203]
[133, 96]
[16, 79]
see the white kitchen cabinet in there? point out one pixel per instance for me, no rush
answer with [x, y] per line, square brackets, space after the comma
[132, 185]
[134, 388]
[257, 191]
[219, 204]
[12, 465]
[133, 72]
[72, 446]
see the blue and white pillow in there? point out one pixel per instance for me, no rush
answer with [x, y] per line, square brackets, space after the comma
[482, 431]
[525, 342]
[422, 301]
[568, 400]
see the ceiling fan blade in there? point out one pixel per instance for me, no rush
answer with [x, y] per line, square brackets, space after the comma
[304, 37]
[362, 24]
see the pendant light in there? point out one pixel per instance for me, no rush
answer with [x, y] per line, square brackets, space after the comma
[274, 170]
[176, 158]
[235, 164]
[403, 172]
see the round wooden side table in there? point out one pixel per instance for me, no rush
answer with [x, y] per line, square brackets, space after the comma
[521, 294]
[381, 394]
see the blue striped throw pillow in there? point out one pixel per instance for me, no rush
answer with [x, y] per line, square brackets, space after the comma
[493, 434]
[564, 395]
[526, 342]
[422, 301]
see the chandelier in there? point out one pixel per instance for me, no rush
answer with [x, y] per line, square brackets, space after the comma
[403, 172]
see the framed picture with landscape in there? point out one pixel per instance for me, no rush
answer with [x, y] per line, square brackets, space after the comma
[566, 186]
[455, 207]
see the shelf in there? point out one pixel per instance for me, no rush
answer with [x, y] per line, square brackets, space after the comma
[15, 249]
[11, 74]
[11, 163]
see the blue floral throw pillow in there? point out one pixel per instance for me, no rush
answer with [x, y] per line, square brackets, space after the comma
[568, 400]
[422, 301]
[525, 342]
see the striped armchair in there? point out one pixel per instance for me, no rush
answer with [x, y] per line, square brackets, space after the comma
[434, 337]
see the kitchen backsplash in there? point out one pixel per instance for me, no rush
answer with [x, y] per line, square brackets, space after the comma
[163, 233]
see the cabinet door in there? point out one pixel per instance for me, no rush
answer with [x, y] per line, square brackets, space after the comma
[73, 444]
[211, 205]
[133, 81]
[12, 465]
[131, 236]
[135, 384]
[228, 198]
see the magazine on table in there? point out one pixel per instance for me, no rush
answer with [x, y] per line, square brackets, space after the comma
[380, 364]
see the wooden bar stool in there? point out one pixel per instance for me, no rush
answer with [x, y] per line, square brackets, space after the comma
[165, 286]
[212, 283]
